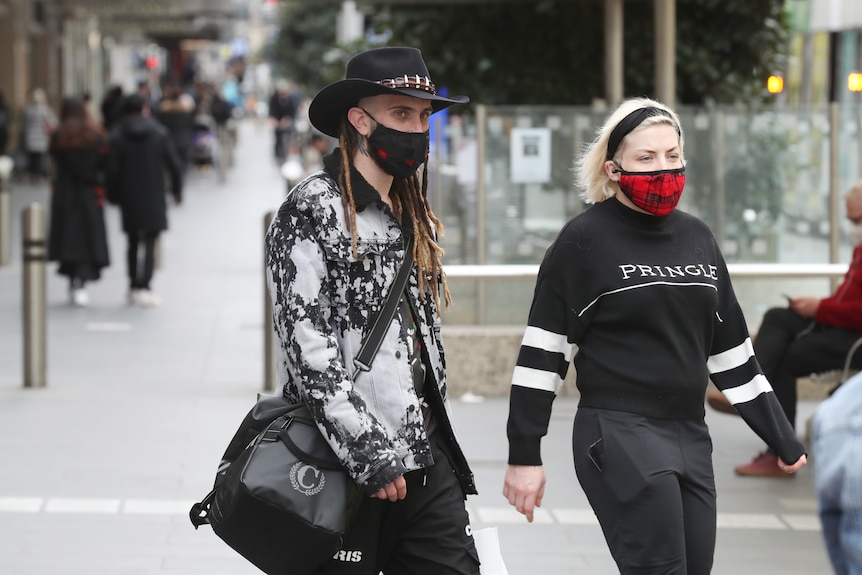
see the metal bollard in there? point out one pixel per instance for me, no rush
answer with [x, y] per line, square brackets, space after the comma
[268, 323]
[6, 166]
[34, 256]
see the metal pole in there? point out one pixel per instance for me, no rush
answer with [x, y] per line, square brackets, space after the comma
[268, 323]
[481, 205]
[834, 175]
[33, 314]
[6, 165]
[613, 52]
[665, 50]
[720, 192]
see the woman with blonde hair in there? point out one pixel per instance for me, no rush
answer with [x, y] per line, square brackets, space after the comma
[638, 293]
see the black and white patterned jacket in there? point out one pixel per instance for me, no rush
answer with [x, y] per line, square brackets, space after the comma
[324, 300]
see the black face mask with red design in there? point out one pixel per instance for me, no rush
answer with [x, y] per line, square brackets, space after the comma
[397, 153]
[655, 192]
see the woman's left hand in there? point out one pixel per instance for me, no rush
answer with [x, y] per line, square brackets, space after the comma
[800, 463]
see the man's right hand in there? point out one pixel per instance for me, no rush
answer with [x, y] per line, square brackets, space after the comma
[524, 488]
[395, 491]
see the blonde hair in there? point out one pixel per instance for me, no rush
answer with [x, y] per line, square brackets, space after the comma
[590, 175]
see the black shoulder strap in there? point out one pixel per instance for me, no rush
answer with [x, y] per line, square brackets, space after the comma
[372, 342]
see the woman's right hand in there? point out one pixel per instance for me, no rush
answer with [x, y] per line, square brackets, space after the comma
[524, 488]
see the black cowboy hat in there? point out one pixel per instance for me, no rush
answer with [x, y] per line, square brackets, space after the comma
[394, 70]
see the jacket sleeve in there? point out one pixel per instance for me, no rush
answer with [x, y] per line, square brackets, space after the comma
[735, 371]
[298, 284]
[174, 167]
[113, 163]
[843, 308]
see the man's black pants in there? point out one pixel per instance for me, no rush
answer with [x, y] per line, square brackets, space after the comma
[427, 533]
[789, 346]
[141, 258]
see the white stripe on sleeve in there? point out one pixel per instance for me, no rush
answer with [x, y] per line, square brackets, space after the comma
[548, 341]
[734, 357]
[536, 379]
[748, 391]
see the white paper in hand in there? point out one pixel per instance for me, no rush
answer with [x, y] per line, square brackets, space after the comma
[488, 546]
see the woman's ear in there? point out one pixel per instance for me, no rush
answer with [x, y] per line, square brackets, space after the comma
[360, 120]
[612, 170]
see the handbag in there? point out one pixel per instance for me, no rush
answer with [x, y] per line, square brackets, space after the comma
[281, 498]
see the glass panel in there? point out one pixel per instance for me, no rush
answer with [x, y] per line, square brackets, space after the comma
[758, 178]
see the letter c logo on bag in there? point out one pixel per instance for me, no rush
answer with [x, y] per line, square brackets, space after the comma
[307, 479]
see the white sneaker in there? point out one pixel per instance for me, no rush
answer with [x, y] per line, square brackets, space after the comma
[79, 297]
[146, 298]
[134, 296]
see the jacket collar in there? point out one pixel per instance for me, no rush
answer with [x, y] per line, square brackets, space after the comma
[363, 192]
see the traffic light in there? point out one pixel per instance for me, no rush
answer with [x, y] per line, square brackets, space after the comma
[152, 62]
[775, 84]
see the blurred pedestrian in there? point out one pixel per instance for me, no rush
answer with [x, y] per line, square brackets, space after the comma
[333, 252]
[317, 147]
[176, 112]
[112, 108]
[78, 240]
[141, 154]
[39, 122]
[837, 450]
[283, 107]
[5, 121]
[809, 335]
[642, 290]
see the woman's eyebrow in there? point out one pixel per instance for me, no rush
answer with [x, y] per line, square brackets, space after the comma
[651, 151]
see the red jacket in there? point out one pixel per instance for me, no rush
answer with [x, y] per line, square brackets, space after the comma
[844, 307]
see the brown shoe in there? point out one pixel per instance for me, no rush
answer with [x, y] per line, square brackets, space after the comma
[718, 402]
[764, 465]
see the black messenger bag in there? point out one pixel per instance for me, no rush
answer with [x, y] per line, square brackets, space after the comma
[284, 502]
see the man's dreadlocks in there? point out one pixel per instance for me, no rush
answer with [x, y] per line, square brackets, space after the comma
[408, 196]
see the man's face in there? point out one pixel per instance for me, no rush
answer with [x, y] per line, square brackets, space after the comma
[402, 113]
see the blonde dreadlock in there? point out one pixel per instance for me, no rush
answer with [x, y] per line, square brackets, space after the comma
[408, 195]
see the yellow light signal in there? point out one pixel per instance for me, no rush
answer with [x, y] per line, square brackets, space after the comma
[854, 82]
[775, 84]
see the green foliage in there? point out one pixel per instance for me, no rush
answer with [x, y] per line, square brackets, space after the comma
[305, 50]
[549, 52]
[727, 48]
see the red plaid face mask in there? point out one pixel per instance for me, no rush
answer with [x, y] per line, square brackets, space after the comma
[655, 192]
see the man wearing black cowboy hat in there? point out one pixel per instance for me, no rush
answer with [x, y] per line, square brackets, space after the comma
[333, 251]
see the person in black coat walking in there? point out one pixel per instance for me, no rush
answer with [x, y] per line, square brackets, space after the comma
[141, 152]
[78, 240]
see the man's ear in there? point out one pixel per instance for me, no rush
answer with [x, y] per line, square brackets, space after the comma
[360, 120]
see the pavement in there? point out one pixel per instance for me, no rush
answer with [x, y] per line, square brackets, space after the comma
[99, 468]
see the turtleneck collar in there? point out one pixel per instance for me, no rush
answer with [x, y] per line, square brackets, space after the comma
[635, 217]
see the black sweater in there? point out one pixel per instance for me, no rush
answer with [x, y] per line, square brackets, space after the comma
[648, 302]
